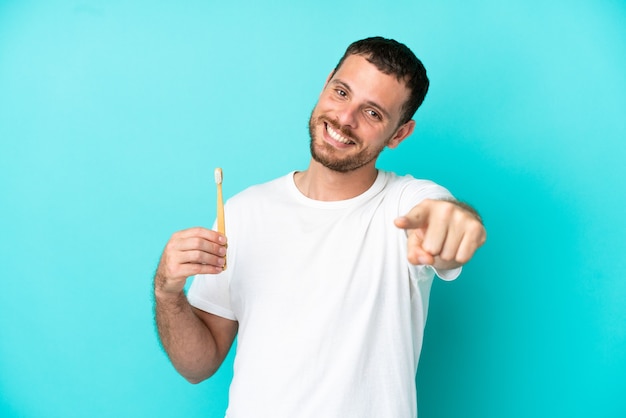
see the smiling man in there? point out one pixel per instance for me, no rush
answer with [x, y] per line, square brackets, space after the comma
[329, 268]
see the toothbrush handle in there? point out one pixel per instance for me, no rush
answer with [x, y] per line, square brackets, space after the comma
[221, 224]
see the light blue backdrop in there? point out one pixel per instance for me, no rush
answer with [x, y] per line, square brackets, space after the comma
[113, 115]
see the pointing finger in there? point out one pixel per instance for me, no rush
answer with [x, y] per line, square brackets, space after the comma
[415, 218]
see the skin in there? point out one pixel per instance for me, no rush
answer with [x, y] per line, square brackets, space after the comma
[363, 106]
[196, 341]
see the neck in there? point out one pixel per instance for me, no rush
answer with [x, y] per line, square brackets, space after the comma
[321, 183]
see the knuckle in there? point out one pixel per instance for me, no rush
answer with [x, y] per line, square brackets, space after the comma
[196, 256]
[195, 269]
[431, 248]
[170, 265]
[176, 235]
[478, 231]
[448, 256]
[170, 244]
[447, 209]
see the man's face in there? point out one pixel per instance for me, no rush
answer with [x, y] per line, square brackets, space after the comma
[357, 115]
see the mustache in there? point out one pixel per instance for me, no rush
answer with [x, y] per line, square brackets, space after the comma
[346, 132]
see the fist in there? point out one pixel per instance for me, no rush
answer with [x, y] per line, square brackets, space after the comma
[441, 233]
[187, 253]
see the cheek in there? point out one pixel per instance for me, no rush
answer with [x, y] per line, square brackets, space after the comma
[375, 133]
[324, 107]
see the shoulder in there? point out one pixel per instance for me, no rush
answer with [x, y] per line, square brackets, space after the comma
[407, 183]
[408, 191]
[266, 190]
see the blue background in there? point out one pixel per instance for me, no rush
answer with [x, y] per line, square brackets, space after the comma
[113, 115]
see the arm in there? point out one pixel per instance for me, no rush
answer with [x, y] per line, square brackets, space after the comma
[442, 233]
[196, 342]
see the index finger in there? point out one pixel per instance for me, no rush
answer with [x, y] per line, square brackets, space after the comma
[200, 232]
[415, 218]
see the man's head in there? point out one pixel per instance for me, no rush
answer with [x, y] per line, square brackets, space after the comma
[366, 105]
[393, 58]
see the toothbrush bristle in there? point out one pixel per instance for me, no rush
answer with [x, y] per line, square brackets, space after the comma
[218, 175]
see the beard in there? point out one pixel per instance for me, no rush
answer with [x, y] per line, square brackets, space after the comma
[329, 157]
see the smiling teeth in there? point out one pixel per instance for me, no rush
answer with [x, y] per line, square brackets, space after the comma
[337, 137]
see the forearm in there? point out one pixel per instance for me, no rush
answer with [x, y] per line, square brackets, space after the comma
[185, 338]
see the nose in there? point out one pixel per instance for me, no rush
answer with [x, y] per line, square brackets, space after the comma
[348, 116]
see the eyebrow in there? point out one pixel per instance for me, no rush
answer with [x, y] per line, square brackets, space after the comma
[371, 103]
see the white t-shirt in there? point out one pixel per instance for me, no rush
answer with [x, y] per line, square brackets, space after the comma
[331, 314]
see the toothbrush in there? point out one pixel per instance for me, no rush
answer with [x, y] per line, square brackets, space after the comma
[221, 224]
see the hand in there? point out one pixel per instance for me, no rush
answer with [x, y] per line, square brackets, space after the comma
[443, 234]
[189, 252]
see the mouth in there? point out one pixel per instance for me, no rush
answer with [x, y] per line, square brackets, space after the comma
[337, 136]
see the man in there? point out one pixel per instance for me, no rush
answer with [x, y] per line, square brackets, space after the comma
[329, 269]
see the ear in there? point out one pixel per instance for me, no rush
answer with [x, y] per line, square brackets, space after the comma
[401, 133]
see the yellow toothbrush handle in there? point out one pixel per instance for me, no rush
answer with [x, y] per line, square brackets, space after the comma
[221, 224]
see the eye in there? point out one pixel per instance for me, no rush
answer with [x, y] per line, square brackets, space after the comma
[341, 93]
[374, 114]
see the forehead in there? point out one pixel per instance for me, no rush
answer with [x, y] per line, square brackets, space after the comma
[370, 84]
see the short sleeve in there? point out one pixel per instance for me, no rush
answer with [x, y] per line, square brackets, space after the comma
[416, 191]
[211, 293]
[448, 275]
